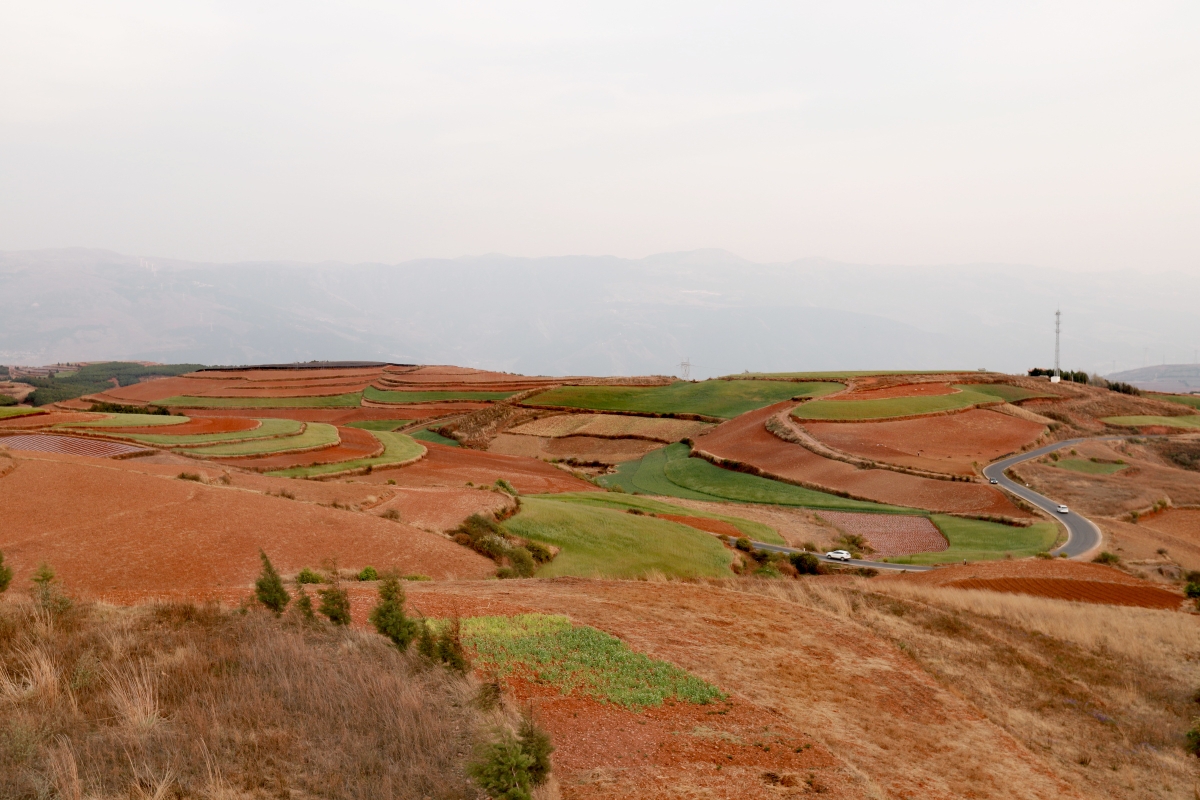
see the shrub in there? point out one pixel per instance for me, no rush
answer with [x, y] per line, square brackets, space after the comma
[521, 561]
[506, 487]
[426, 641]
[807, 564]
[541, 554]
[309, 576]
[535, 743]
[119, 408]
[191, 476]
[744, 544]
[501, 768]
[450, 648]
[1043, 554]
[5, 575]
[1106, 557]
[1192, 590]
[268, 589]
[368, 573]
[304, 605]
[1193, 740]
[388, 616]
[391, 514]
[335, 604]
[45, 593]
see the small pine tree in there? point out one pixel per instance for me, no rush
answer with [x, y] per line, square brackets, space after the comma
[501, 769]
[304, 605]
[388, 616]
[5, 574]
[535, 743]
[450, 649]
[426, 641]
[269, 587]
[335, 604]
[44, 591]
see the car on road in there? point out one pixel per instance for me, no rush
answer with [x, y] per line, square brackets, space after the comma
[1063, 509]
[993, 481]
[839, 555]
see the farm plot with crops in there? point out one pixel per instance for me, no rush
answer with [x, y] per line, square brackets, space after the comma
[266, 429]
[1183, 423]
[892, 407]
[977, 540]
[612, 426]
[348, 400]
[397, 449]
[1003, 391]
[890, 534]
[315, 435]
[400, 398]
[720, 399]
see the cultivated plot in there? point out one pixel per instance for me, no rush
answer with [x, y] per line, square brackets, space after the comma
[716, 398]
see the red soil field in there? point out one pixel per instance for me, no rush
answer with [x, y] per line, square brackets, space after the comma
[281, 375]
[193, 427]
[70, 445]
[1114, 594]
[442, 508]
[704, 524]
[890, 534]
[303, 390]
[461, 375]
[355, 444]
[1034, 568]
[903, 390]
[454, 466]
[343, 416]
[744, 439]
[583, 448]
[45, 420]
[947, 444]
[106, 527]
[1181, 522]
[162, 388]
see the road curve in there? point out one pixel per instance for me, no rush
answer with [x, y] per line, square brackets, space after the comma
[1083, 536]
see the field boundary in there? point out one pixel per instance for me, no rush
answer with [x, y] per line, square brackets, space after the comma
[652, 414]
[239, 457]
[109, 436]
[944, 413]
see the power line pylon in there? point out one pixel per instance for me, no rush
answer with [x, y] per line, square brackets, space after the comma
[686, 365]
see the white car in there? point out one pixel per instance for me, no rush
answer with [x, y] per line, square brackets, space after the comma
[839, 555]
[1063, 509]
[993, 481]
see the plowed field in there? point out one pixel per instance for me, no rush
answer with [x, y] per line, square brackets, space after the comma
[342, 416]
[950, 444]
[45, 420]
[355, 443]
[704, 524]
[160, 388]
[890, 535]
[1114, 594]
[453, 466]
[582, 448]
[903, 390]
[612, 425]
[1181, 522]
[193, 427]
[745, 439]
[70, 445]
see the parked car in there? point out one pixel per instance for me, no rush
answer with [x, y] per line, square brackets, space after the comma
[1063, 509]
[839, 555]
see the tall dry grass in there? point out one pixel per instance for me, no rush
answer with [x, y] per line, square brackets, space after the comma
[182, 701]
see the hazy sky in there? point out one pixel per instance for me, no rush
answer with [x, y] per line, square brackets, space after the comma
[1058, 134]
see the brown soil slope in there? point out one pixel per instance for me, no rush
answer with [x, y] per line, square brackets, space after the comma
[453, 466]
[746, 440]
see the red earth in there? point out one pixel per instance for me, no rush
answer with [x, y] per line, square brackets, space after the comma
[903, 390]
[355, 443]
[71, 445]
[343, 416]
[193, 427]
[746, 440]
[45, 420]
[704, 524]
[455, 466]
[890, 534]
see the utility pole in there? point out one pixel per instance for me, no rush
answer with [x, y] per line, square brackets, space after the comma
[686, 366]
[1057, 333]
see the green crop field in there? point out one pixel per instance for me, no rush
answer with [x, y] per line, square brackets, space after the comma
[1088, 467]
[976, 540]
[317, 434]
[269, 429]
[379, 424]
[672, 473]
[1192, 400]
[854, 410]
[1009, 394]
[13, 411]
[128, 421]
[426, 435]
[350, 400]
[1190, 421]
[718, 398]
[397, 448]
[602, 542]
[547, 649]
[621, 502]
[380, 396]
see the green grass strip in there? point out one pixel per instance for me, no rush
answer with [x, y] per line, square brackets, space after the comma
[601, 542]
[1191, 421]
[426, 435]
[128, 421]
[1088, 467]
[7, 412]
[850, 410]
[976, 540]
[381, 396]
[1192, 400]
[715, 398]
[269, 429]
[317, 434]
[378, 424]
[549, 650]
[396, 448]
[1009, 394]
[621, 502]
[350, 400]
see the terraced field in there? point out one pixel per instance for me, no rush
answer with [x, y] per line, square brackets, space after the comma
[400, 398]
[397, 449]
[267, 429]
[612, 426]
[723, 399]
[1192, 400]
[890, 408]
[348, 400]
[130, 421]
[1183, 423]
[1003, 391]
[379, 424]
[316, 435]
[13, 411]
[977, 540]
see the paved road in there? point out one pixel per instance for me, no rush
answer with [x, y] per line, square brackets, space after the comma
[854, 562]
[1082, 534]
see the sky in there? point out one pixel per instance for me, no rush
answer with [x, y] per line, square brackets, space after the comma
[1052, 134]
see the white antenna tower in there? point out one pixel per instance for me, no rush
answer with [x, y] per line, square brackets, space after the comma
[1057, 332]
[686, 365]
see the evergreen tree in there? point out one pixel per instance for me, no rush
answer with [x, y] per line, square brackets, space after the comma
[426, 641]
[304, 605]
[5, 574]
[535, 743]
[388, 616]
[335, 604]
[449, 647]
[269, 587]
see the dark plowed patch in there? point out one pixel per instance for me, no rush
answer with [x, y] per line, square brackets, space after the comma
[1114, 594]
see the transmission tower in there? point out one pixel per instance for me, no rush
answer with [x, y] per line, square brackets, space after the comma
[686, 365]
[1057, 334]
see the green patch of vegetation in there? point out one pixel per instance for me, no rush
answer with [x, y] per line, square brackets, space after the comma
[1090, 467]
[127, 421]
[1192, 400]
[381, 396]
[7, 400]
[976, 540]
[549, 650]
[648, 475]
[15, 411]
[269, 429]
[317, 434]
[349, 400]
[96, 378]
[624, 502]
[396, 448]
[426, 435]
[1185, 422]
[1007, 393]
[848, 410]
[602, 542]
[378, 424]
[717, 398]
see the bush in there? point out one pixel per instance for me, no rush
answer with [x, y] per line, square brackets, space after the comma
[190, 476]
[541, 554]
[1193, 740]
[535, 743]
[5, 575]
[304, 606]
[744, 544]
[118, 408]
[1192, 590]
[388, 616]
[1106, 557]
[368, 574]
[501, 768]
[807, 564]
[268, 589]
[309, 576]
[335, 604]
[426, 641]
[45, 593]
[521, 561]
[450, 648]
[391, 514]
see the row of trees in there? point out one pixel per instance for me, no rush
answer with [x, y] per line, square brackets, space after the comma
[1080, 376]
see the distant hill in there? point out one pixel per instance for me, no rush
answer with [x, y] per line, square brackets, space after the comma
[1177, 378]
[585, 314]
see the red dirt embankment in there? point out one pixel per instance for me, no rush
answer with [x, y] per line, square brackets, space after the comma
[355, 443]
[162, 388]
[105, 526]
[453, 466]
[27, 421]
[950, 444]
[746, 440]
[193, 427]
[903, 390]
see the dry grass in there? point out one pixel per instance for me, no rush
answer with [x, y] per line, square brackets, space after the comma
[1102, 694]
[180, 701]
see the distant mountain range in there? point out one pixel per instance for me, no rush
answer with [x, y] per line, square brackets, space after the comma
[589, 315]
[1180, 378]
